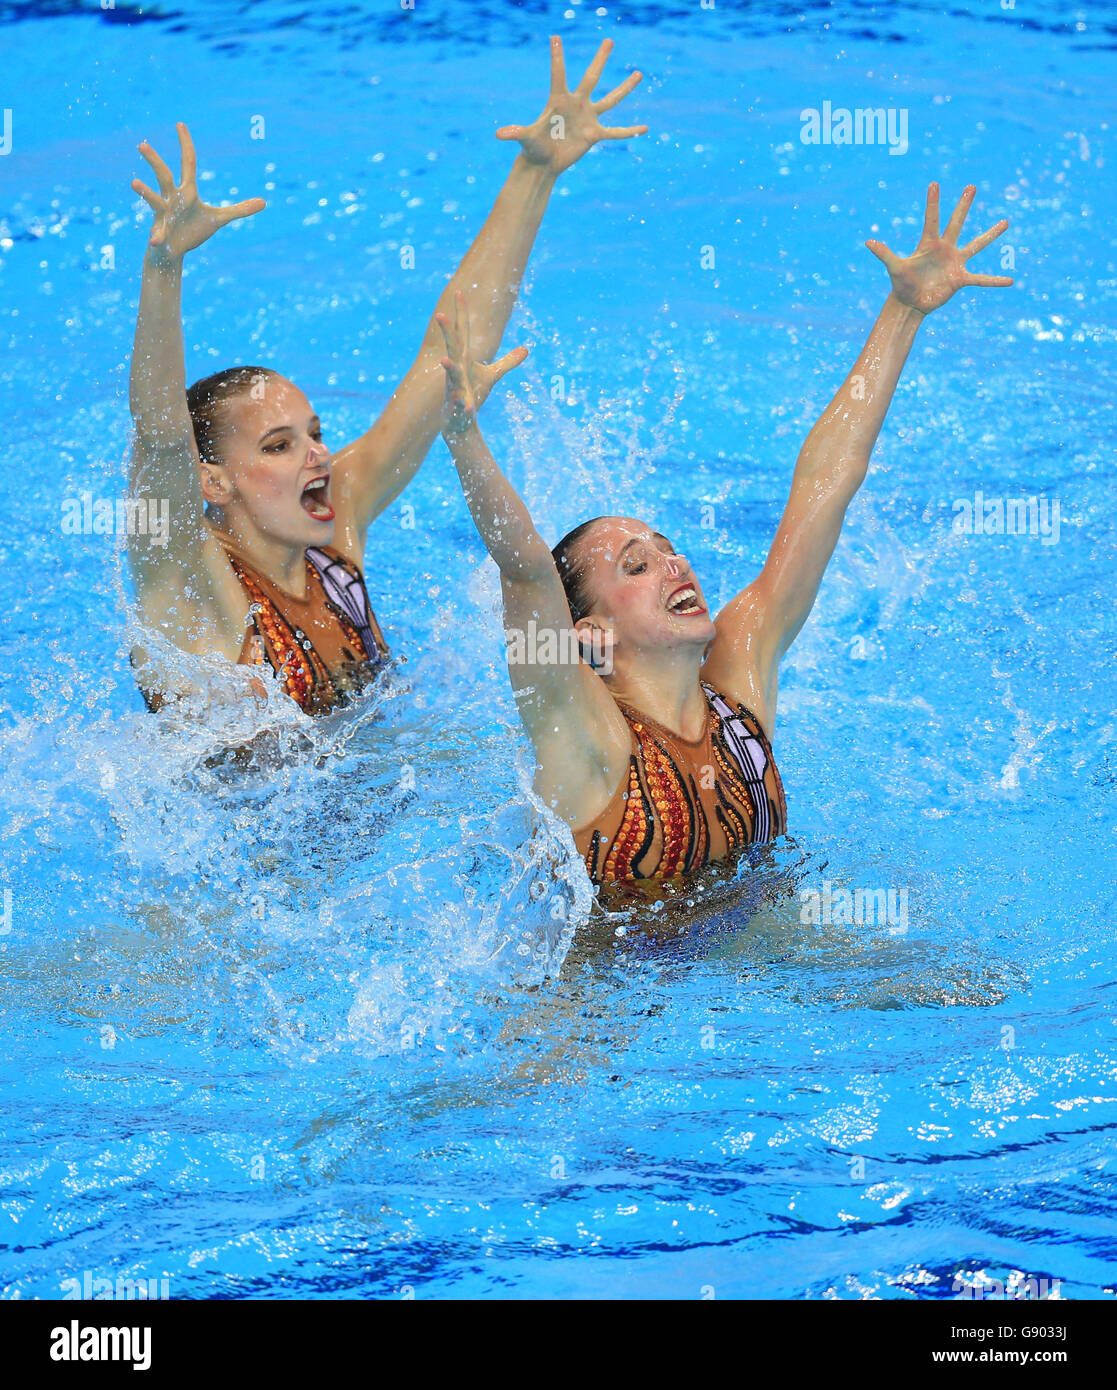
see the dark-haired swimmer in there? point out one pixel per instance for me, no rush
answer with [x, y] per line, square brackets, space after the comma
[659, 760]
[264, 559]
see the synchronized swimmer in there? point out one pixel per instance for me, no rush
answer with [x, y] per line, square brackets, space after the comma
[654, 748]
[264, 563]
[661, 761]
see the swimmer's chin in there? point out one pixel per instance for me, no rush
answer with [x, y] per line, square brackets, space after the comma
[320, 530]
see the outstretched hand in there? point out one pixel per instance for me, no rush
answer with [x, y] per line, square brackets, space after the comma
[468, 382]
[182, 220]
[569, 125]
[927, 278]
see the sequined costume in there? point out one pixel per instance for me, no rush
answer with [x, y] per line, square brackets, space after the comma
[327, 645]
[685, 804]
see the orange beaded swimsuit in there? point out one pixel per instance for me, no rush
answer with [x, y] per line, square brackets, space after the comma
[683, 805]
[327, 645]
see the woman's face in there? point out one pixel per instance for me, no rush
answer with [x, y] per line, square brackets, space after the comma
[643, 591]
[274, 466]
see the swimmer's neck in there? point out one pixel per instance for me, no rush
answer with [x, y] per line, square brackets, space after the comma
[666, 686]
[281, 562]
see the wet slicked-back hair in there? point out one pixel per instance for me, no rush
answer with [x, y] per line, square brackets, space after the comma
[573, 570]
[207, 401]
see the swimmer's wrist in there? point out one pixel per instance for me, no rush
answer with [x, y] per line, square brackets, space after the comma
[908, 311]
[162, 260]
[529, 169]
[461, 434]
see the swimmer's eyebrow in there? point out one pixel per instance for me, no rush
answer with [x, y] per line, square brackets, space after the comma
[656, 535]
[280, 429]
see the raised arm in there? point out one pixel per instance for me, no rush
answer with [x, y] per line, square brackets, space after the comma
[164, 461]
[372, 471]
[758, 626]
[580, 738]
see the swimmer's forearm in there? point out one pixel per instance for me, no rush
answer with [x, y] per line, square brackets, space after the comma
[157, 385]
[383, 461]
[847, 429]
[493, 268]
[502, 519]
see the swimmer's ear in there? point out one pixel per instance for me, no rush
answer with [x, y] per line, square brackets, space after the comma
[597, 645]
[216, 487]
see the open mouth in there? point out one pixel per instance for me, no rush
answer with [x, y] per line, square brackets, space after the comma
[685, 602]
[315, 499]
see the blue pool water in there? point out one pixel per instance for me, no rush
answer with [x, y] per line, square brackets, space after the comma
[335, 1025]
